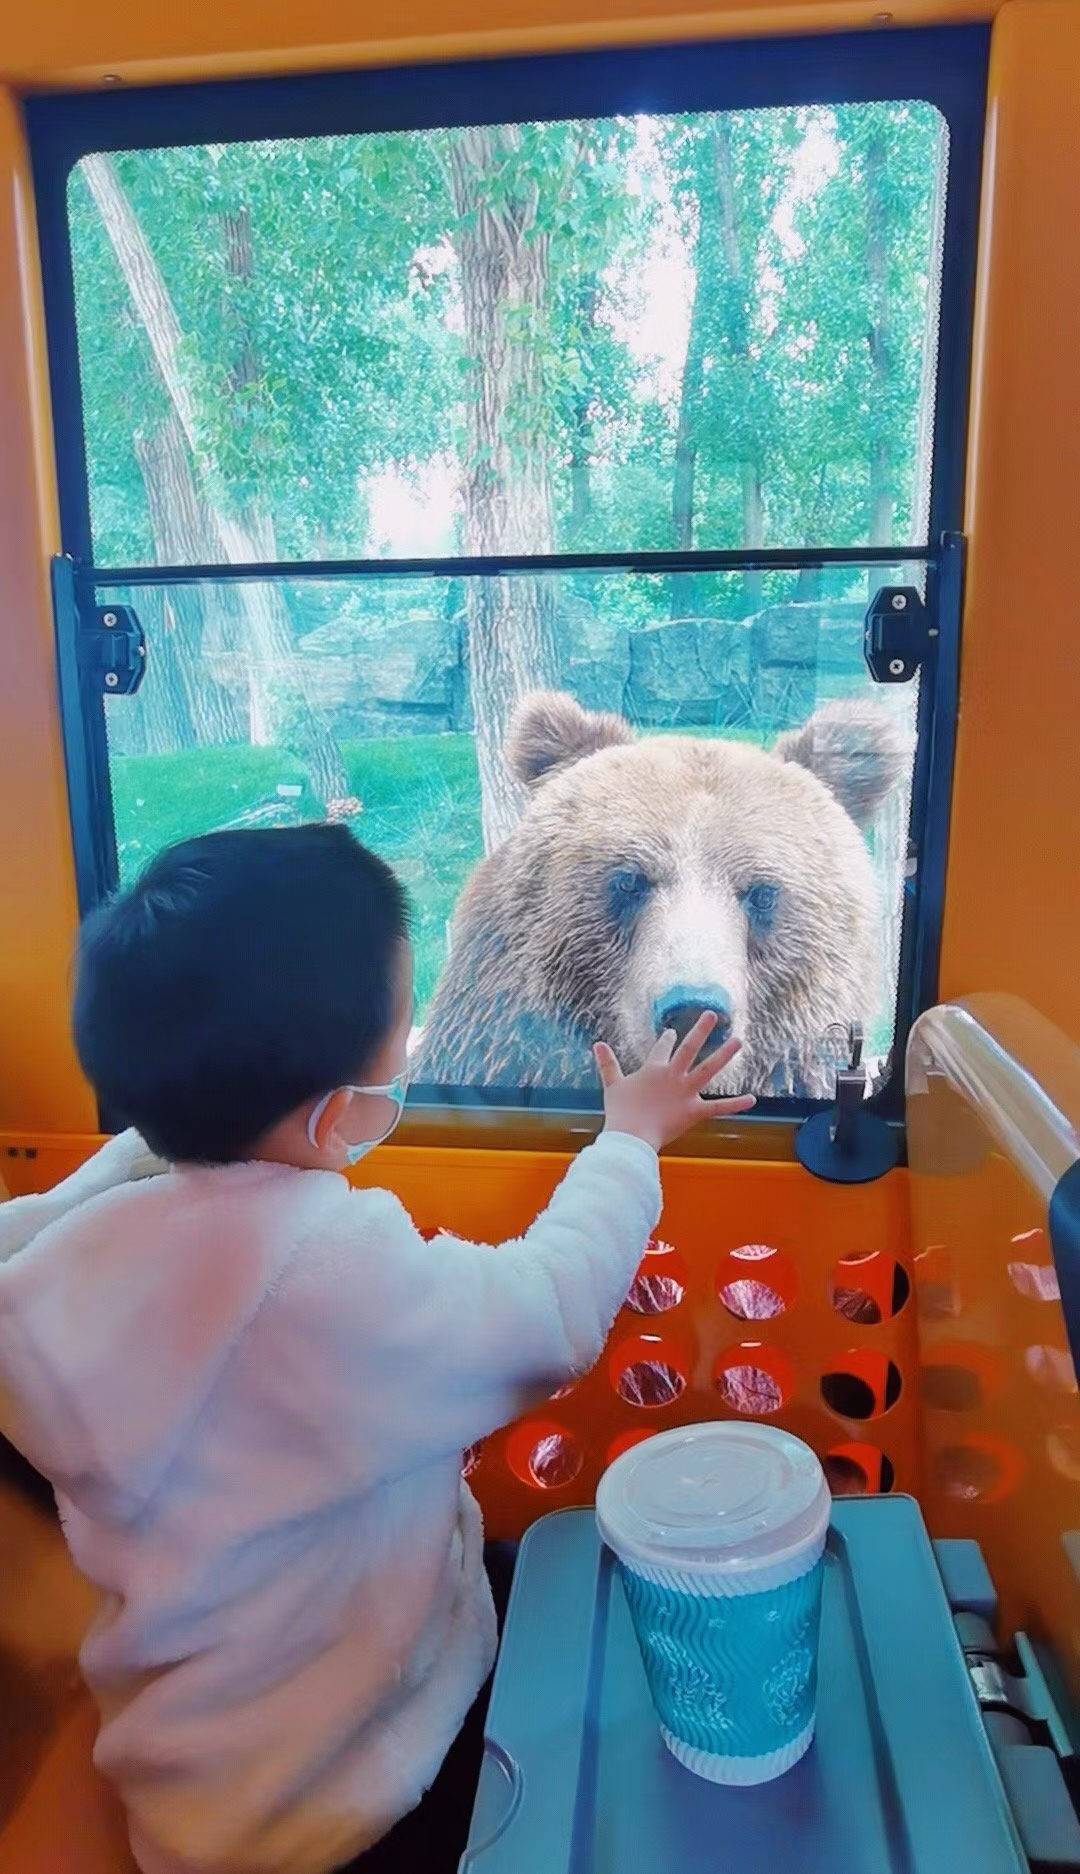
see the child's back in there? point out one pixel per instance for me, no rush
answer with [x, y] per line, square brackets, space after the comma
[251, 1387]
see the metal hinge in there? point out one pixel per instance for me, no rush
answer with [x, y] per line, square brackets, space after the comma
[112, 649]
[897, 634]
[1025, 1695]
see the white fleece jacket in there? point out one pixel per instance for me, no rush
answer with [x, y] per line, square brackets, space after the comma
[251, 1388]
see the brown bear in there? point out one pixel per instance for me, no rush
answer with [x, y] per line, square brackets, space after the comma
[651, 878]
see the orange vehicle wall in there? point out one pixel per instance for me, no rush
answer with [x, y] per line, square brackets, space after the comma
[1013, 897]
[1014, 884]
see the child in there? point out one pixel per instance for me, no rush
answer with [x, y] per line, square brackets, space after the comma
[251, 1385]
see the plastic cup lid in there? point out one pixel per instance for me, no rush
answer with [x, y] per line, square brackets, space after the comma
[720, 1497]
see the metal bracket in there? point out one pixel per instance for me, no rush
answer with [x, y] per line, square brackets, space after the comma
[850, 1092]
[897, 634]
[848, 1145]
[113, 649]
[1026, 1694]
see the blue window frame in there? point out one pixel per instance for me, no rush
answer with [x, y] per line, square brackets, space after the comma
[942, 68]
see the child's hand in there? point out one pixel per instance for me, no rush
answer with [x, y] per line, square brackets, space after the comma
[664, 1098]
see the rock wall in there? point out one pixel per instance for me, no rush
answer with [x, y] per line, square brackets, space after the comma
[407, 672]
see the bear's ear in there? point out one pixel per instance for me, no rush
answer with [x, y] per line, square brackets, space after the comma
[549, 732]
[855, 749]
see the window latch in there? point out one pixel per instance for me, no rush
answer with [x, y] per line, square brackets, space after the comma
[897, 634]
[114, 649]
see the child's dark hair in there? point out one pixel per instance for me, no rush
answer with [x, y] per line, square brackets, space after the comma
[244, 973]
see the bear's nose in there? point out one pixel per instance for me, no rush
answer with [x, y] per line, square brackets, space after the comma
[680, 1009]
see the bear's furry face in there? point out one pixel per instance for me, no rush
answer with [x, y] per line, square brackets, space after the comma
[649, 879]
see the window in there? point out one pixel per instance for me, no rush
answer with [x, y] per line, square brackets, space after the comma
[392, 403]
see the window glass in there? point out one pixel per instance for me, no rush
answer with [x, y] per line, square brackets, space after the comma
[707, 804]
[643, 333]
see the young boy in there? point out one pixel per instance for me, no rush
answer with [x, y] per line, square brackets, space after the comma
[251, 1385]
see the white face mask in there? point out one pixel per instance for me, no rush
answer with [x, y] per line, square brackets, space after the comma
[395, 1090]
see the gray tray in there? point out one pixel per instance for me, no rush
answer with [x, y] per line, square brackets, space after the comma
[900, 1779]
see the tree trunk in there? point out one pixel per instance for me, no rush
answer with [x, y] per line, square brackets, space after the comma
[183, 532]
[581, 432]
[720, 278]
[687, 435]
[737, 324]
[753, 509]
[808, 584]
[506, 487]
[879, 337]
[279, 707]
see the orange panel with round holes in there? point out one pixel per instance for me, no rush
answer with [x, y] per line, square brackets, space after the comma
[763, 1294]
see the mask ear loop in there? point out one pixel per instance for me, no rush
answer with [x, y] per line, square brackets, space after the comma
[316, 1114]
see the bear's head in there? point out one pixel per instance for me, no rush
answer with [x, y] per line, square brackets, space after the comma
[651, 878]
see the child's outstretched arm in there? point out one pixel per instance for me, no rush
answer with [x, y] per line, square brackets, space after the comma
[470, 1336]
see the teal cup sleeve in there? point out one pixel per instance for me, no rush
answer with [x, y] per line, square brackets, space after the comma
[732, 1673]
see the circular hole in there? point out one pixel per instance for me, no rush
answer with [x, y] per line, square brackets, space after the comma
[555, 1461]
[866, 1386]
[625, 1442]
[649, 1383]
[1051, 1367]
[647, 1370]
[660, 1283]
[858, 1470]
[751, 1301]
[655, 1293]
[1063, 1451]
[543, 1455]
[869, 1288]
[754, 1380]
[656, 1246]
[1035, 1281]
[981, 1470]
[750, 1390]
[756, 1282]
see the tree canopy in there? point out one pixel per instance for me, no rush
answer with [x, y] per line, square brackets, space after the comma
[697, 331]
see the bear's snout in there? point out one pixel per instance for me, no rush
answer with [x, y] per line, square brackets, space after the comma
[679, 1008]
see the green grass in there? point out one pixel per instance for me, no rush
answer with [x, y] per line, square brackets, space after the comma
[420, 809]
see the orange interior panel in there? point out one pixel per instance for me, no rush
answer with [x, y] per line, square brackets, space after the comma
[999, 1413]
[1013, 898]
[1012, 888]
[61, 43]
[999, 1458]
[764, 1293]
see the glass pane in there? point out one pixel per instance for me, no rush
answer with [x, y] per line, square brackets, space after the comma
[684, 792]
[708, 331]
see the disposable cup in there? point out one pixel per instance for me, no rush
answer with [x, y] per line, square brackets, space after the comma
[719, 1534]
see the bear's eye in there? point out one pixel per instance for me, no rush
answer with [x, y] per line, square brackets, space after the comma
[628, 887]
[760, 903]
